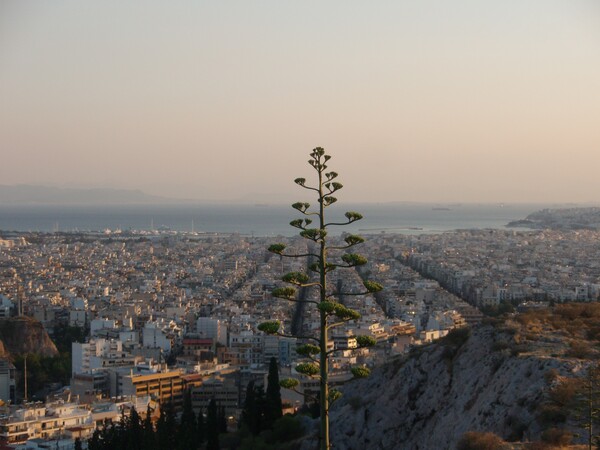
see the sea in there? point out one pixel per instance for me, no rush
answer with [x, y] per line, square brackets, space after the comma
[260, 219]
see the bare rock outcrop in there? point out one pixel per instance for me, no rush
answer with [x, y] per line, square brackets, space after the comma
[25, 335]
[480, 381]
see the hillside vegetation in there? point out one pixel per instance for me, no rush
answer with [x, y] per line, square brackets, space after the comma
[571, 329]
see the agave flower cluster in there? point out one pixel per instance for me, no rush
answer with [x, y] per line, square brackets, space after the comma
[332, 313]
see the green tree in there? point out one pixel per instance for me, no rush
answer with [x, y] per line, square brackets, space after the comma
[166, 427]
[187, 434]
[134, 430]
[201, 428]
[94, 443]
[221, 420]
[254, 411]
[324, 258]
[107, 437]
[42, 370]
[586, 405]
[63, 337]
[148, 434]
[212, 426]
[250, 410]
[120, 433]
[273, 406]
[287, 428]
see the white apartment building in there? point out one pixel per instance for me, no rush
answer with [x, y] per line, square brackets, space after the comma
[156, 336]
[212, 328]
[97, 325]
[78, 316]
[45, 422]
[99, 354]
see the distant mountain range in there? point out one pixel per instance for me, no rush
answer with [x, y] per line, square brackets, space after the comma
[28, 194]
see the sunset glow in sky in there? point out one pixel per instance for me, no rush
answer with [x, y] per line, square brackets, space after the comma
[428, 100]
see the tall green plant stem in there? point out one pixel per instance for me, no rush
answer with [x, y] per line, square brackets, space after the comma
[324, 360]
[328, 307]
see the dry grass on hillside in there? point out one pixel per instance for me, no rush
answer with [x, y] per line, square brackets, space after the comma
[571, 329]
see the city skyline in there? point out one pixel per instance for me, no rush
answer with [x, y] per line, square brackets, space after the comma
[469, 101]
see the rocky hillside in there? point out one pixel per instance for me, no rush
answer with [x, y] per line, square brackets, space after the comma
[495, 378]
[25, 335]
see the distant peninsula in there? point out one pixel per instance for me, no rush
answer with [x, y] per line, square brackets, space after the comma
[29, 194]
[561, 219]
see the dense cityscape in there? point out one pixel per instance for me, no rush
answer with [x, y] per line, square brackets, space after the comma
[157, 292]
[164, 313]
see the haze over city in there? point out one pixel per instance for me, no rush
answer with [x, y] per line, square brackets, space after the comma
[416, 101]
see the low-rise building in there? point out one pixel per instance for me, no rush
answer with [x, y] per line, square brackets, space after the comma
[39, 421]
[162, 386]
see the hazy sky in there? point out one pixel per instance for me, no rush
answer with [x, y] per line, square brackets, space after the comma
[428, 100]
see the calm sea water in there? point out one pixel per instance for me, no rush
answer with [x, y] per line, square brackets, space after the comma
[260, 220]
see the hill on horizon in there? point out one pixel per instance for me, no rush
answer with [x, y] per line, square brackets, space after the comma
[30, 194]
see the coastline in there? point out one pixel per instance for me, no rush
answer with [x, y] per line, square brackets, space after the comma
[266, 220]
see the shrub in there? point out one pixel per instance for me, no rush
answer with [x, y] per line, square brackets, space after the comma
[517, 428]
[557, 436]
[457, 336]
[564, 393]
[287, 429]
[499, 346]
[551, 376]
[593, 333]
[355, 402]
[518, 349]
[579, 350]
[473, 440]
[538, 446]
[552, 414]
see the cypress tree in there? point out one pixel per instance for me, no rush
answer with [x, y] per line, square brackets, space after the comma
[94, 442]
[166, 427]
[161, 425]
[201, 428]
[273, 405]
[134, 431]
[148, 434]
[250, 412]
[108, 435]
[259, 398]
[212, 431]
[186, 436]
[222, 420]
